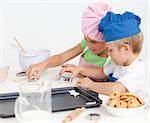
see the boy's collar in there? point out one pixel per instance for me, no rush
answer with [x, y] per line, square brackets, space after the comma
[134, 61]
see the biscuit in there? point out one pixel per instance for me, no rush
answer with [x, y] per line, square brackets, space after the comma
[128, 94]
[140, 100]
[112, 102]
[121, 104]
[126, 98]
[114, 95]
[133, 103]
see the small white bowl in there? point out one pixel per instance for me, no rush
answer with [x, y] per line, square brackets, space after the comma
[32, 56]
[125, 112]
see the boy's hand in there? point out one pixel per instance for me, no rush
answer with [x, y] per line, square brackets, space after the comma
[34, 71]
[85, 82]
[72, 69]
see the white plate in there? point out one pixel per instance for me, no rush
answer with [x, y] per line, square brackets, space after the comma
[125, 112]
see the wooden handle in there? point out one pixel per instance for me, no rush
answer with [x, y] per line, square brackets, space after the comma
[73, 115]
[22, 49]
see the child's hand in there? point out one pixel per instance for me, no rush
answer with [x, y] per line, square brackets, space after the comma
[34, 71]
[85, 82]
[72, 69]
[68, 65]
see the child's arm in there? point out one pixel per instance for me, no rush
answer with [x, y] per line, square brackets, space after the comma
[53, 61]
[61, 58]
[92, 72]
[106, 88]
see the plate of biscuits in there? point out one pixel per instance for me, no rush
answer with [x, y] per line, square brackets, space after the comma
[126, 104]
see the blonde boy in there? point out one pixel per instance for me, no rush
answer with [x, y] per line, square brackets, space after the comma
[124, 41]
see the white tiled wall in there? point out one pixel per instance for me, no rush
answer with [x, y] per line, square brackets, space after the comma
[53, 24]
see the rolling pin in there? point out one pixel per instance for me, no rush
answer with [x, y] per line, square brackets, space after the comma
[73, 115]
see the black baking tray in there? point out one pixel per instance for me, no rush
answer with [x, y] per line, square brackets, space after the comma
[61, 100]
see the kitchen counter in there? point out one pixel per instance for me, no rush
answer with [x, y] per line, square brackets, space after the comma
[51, 75]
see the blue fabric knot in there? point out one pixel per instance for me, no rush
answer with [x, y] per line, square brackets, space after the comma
[111, 78]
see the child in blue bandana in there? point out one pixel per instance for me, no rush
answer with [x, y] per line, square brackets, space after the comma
[124, 41]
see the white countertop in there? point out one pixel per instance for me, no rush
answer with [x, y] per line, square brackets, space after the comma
[51, 75]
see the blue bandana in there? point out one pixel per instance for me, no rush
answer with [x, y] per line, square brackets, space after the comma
[117, 26]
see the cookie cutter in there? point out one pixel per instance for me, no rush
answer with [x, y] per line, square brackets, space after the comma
[67, 76]
[21, 74]
[94, 116]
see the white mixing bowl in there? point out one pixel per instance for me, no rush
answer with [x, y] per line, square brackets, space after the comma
[125, 112]
[32, 56]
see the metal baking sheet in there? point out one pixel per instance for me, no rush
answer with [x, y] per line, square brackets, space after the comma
[61, 100]
[7, 102]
